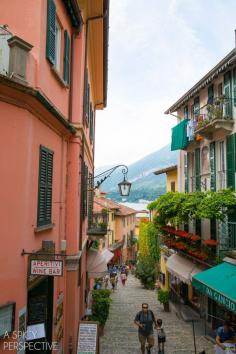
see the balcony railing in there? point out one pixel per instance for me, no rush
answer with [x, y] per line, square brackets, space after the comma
[215, 116]
[98, 225]
[227, 234]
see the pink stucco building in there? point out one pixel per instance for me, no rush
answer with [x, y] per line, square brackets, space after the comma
[53, 78]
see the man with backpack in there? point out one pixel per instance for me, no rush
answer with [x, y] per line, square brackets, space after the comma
[145, 320]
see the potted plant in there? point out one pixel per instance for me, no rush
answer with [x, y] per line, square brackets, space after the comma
[163, 297]
[100, 307]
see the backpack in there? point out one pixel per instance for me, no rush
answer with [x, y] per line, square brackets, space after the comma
[161, 334]
[149, 311]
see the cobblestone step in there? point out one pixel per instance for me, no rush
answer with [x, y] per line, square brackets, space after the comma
[120, 336]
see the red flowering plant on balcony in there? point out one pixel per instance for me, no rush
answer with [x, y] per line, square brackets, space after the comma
[211, 243]
[194, 237]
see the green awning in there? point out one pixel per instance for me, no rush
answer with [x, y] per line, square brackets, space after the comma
[218, 283]
[179, 136]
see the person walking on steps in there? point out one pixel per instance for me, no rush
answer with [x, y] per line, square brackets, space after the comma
[161, 336]
[145, 320]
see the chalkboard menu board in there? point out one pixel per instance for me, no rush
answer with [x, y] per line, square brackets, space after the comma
[88, 338]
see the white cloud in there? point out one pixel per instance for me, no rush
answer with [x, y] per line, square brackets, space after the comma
[158, 49]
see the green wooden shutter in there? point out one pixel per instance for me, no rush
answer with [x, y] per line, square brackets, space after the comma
[85, 90]
[91, 125]
[234, 75]
[213, 166]
[210, 94]
[88, 103]
[230, 158]
[197, 170]
[186, 176]
[51, 32]
[66, 73]
[90, 200]
[84, 210]
[45, 187]
[228, 94]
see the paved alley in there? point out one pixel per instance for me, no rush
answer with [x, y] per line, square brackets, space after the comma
[120, 335]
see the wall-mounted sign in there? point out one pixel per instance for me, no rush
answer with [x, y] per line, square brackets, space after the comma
[88, 338]
[46, 267]
[7, 318]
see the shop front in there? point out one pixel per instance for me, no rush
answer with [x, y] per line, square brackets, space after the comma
[44, 311]
[181, 272]
[218, 285]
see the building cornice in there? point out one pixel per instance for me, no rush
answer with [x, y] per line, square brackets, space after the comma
[41, 98]
[222, 66]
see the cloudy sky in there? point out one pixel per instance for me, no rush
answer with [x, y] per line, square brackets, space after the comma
[157, 50]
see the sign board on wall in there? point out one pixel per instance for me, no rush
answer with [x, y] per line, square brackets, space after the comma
[88, 338]
[46, 267]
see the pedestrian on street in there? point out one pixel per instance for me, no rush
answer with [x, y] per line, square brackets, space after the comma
[113, 283]
[123, 277]
[225, 337]
[161, 336]
[145, 320]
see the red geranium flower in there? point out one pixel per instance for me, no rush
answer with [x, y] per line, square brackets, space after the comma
[212, 243]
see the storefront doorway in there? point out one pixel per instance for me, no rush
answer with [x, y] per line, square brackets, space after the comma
[40, 315]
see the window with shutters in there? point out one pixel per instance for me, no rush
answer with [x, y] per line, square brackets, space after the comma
[66, 71]
[54, 46]
[210, 94]
[230, 159]
[57, 46]
[228, 94]
[45, 187]
[234, 83]
[84, 208]
[196, 106]
[90, 199]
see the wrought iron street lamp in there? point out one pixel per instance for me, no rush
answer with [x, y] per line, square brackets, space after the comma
[124, 186]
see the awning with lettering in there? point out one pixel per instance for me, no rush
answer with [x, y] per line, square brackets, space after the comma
[97, 262]
[182, 268]
[219, 284]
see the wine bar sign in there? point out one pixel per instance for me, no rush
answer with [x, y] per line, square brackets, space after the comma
[46, 267]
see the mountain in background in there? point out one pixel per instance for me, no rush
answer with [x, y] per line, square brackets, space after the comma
[145, 185]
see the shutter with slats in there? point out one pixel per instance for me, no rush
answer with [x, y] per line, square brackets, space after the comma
[210, 94]
[186, 175]
[45, 187]
[86, 191]
[228, 94]
[51, 32]
[90, 199]
[66, 73]
[213, 166]
[234, 75]
[85, 90]
[230, 152]
[197, 170]
[91, 125]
